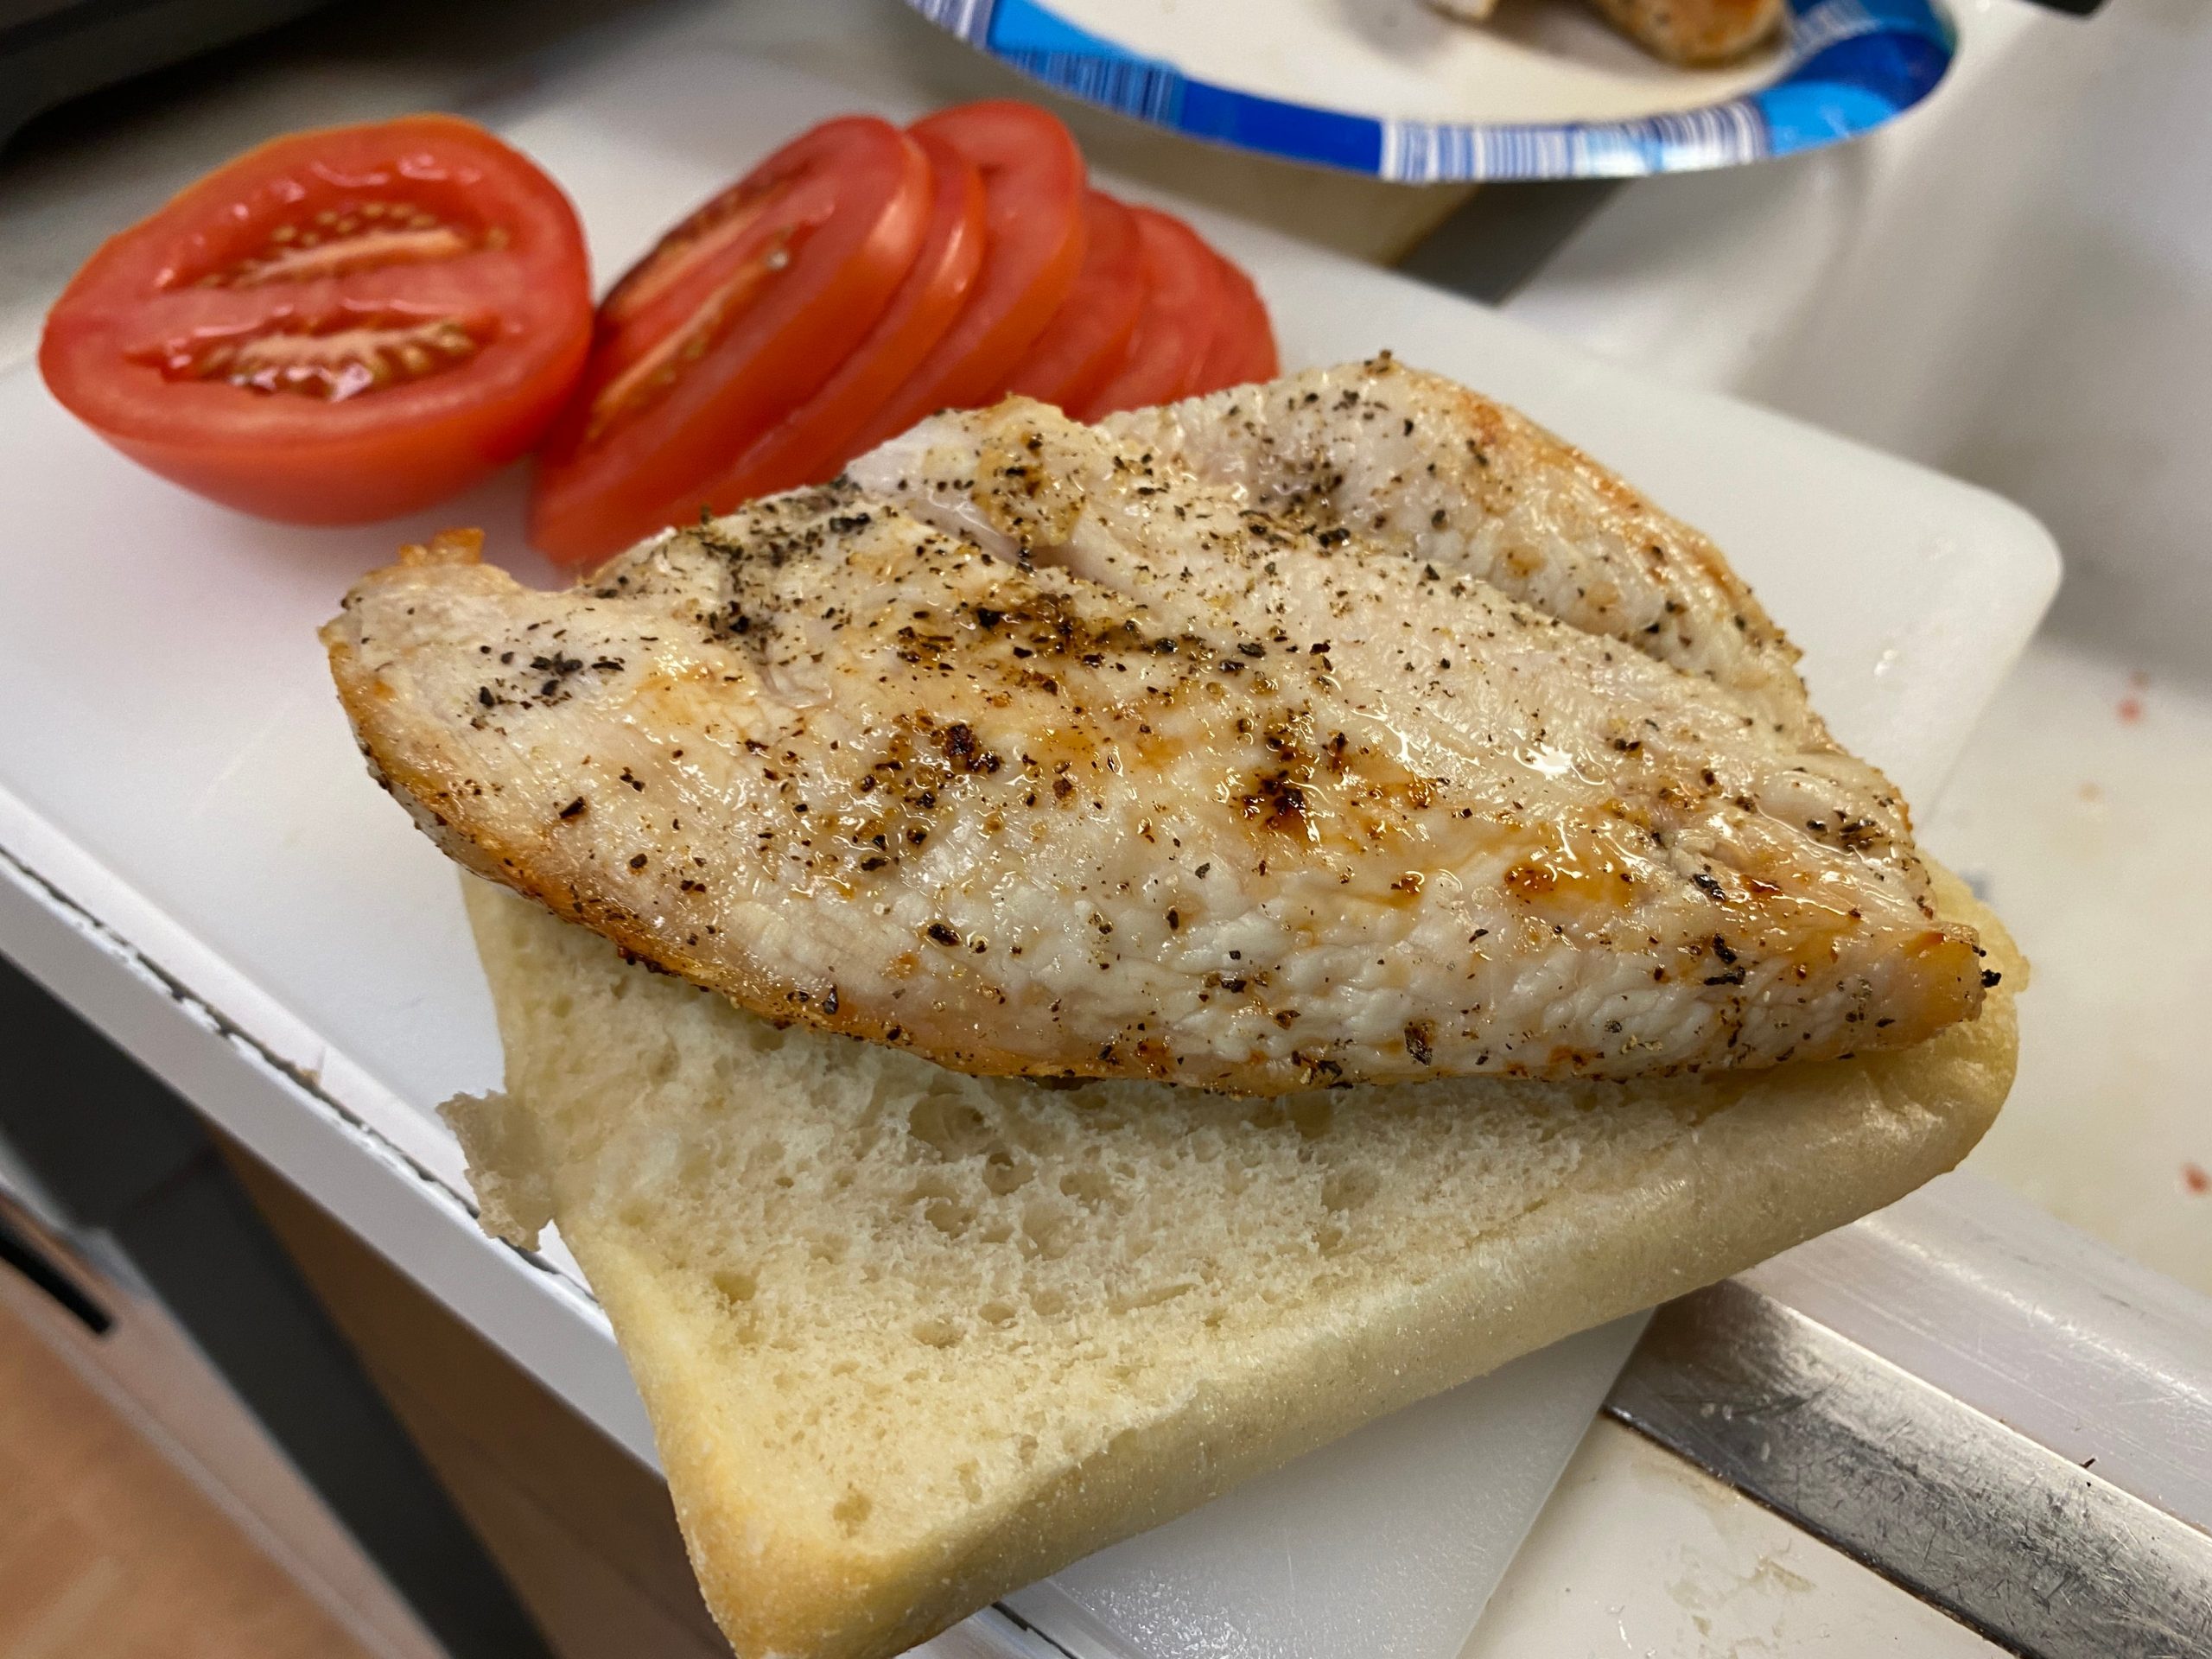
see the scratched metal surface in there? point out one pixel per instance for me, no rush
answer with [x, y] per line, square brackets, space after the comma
[1971, 1287]
[2039, 1554]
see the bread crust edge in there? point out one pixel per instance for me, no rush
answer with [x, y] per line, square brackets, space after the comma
[1797, 1151]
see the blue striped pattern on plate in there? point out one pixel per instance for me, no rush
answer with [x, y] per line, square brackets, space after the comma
[1850, 66]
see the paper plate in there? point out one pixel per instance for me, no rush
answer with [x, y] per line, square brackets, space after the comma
[1394, 89]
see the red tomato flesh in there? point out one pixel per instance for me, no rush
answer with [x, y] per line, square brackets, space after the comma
[739, 316]
[1084, 342]
[1243, 348]
[336, 328]
[1033, 192]
[1184, 306]
[1262, 361]
[811, 443]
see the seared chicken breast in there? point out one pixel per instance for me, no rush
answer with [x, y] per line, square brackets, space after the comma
[1417, 465]
[1228, 745]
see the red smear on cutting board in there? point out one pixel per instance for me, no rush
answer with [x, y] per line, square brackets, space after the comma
[2194, 1178]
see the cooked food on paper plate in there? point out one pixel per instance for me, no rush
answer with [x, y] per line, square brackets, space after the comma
[1178, 936]
[1695, 33]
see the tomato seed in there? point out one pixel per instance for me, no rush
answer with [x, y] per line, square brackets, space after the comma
[330, 367]
[358, 236]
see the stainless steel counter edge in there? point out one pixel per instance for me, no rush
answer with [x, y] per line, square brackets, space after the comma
[1960, 1474]
[1964, 1282]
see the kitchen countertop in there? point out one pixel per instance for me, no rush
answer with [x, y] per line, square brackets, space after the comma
[1638, 1554]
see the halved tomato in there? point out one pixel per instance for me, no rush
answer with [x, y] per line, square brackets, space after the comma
[1084, 343]
[335, 327]
[1185, 299]
[1243, 348]
[1033, 190]
[736, 317]
[811, 442]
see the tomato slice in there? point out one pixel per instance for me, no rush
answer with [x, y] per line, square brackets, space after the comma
[1183, 305]
[335, 327]
[1084, 342]
[811, 442]
[1033, 191]
[1243, 348]
[1262, 361]
[735, 318]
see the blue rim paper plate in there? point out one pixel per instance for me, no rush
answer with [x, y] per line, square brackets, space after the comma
[1846, 68]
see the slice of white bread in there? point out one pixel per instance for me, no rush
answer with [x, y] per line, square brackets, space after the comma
[911, 1340]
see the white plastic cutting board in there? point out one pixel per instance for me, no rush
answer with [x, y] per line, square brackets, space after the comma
[172, 760]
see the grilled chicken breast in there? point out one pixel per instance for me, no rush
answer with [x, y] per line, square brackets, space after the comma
[1255, 744]
[1418, 465]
